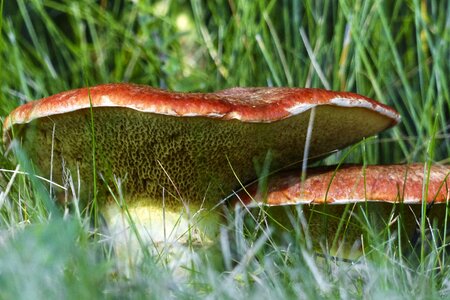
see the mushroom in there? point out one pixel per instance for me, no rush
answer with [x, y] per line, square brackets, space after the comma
[382, 191]
[184, 151]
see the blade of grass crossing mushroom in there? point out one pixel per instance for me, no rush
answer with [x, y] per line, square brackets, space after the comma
[401, 197]
[164, 214]
[425, 185]
[364, 155]
[445, 219]
[75, 195]
[34, 175]
[263, 174]
[308, 143]
[51, 160]
[4, 194]
[94, 208]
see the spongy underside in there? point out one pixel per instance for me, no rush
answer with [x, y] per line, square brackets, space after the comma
[193, 158]
[346, 225]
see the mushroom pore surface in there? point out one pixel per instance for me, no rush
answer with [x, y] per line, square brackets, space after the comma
[190, 158]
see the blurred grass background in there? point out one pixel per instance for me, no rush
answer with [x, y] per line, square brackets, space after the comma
[397, 52]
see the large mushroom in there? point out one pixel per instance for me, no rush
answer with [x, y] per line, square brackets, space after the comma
[184, 150]
[334, 197]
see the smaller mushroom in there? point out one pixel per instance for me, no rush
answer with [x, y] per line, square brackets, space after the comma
[383, 192]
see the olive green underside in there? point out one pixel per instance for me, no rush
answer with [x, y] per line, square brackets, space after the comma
[190, 158]
[343, 226]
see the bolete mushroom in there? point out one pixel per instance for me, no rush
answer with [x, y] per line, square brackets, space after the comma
[382, 192]
[187, 149]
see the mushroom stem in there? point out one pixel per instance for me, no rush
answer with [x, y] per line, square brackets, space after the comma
[145, 224]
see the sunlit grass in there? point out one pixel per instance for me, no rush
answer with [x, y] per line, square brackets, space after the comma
[394, 51]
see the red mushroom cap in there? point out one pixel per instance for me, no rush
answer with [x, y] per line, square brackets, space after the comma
[262, 104]
[352, 184]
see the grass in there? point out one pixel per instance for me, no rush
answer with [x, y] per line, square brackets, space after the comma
[394, 51]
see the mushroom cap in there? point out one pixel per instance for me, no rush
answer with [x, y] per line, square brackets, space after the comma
[353, 184]
[190, 145]
[258, 105]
